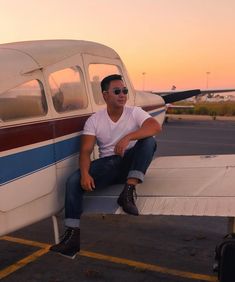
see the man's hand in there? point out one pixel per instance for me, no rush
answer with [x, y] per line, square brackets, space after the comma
[86, 148]
[121, 146]
[87, 183]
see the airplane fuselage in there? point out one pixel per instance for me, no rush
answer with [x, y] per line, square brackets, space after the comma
[48, 89]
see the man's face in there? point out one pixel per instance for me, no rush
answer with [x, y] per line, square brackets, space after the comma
[116, 100]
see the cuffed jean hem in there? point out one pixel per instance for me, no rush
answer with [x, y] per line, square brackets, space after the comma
[72, 222]
[136, 174]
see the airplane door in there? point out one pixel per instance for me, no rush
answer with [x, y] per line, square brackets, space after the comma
[96, 69]
[71, 107]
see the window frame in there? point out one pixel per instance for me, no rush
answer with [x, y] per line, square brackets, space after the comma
[82, 81]
[44, 105]
[98, 98]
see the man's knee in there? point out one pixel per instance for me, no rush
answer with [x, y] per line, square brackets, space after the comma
[149, 143]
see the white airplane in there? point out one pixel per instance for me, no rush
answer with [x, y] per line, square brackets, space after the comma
[47, 91]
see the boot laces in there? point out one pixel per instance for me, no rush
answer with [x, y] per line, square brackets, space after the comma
[131, 194]
[68, 234]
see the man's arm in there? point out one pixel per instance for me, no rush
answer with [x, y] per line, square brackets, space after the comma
[150, 127]
[86, 148]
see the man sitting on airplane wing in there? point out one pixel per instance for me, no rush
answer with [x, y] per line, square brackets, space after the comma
[124, 136]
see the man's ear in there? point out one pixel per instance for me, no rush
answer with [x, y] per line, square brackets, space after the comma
[105, 95]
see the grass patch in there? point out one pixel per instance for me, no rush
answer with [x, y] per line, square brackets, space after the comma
[207, 108]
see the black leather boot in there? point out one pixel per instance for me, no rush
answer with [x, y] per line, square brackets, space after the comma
[126, 199]
[69, 246]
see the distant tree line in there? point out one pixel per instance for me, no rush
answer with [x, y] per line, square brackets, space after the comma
[226, 108]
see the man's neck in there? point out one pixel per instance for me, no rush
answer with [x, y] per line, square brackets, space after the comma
[115, 113]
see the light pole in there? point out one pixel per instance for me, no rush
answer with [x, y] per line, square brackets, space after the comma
[143, 73]
[207, 79]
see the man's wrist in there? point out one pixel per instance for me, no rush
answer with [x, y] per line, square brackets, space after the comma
[84, 173]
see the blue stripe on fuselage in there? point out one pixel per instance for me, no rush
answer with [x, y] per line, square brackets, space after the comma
[23, 163]
[27, 162]
[157, 113]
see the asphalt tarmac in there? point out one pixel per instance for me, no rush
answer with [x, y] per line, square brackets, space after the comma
[128, 248]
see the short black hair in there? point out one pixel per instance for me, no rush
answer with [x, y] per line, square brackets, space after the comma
[106, 81]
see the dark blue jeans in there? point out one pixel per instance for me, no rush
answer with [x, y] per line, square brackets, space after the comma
[108, 171]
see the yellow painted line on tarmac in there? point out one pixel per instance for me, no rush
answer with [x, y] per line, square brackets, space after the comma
[136, 264]
[44, 248]
[25, 242]
[151, 267]
[21, 263]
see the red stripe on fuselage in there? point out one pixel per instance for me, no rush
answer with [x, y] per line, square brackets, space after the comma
[22, 135]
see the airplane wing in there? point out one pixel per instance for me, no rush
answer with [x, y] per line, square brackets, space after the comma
[181, 185]
[176, 95]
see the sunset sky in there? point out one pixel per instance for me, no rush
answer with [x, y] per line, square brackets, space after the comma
[186, 43]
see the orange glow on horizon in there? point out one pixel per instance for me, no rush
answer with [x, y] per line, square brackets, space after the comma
[172, 42]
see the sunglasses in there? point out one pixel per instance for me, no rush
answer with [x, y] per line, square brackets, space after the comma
[117, 91]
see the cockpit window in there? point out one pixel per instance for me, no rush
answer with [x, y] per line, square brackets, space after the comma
[97, 72]
[68, 90]
[24, 101]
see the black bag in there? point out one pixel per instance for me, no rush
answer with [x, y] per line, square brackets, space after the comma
[225, 259]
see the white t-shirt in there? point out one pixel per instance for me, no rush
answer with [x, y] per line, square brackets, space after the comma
[108, 133]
